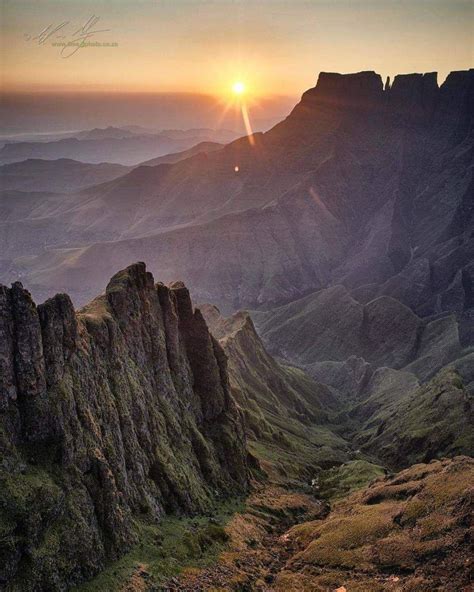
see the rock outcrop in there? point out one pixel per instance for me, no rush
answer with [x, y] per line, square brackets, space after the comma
[119, 410]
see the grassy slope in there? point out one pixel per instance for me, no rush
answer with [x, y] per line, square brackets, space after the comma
[164, 550]
[405, 532]
[288, 415]
[435, 420]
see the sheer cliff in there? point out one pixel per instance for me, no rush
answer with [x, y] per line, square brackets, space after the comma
[118, 410]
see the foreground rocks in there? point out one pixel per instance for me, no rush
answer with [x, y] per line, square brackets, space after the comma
[121, 409]
[256, 550]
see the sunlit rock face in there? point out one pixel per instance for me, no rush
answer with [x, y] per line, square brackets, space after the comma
[122, 408]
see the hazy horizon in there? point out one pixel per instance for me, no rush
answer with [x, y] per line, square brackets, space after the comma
[190, 52]
[201, 47]
[61, 112]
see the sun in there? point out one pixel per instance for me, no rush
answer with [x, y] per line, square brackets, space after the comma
[238, 88]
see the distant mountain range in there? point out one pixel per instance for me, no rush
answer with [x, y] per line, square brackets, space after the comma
[67, 175]
[359, 185]
[60, 175]
[126, 146]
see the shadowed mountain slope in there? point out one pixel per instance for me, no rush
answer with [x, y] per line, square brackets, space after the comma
[331, 326]
[62, 175]
[362, 186]
[406, 381]
[204, 147]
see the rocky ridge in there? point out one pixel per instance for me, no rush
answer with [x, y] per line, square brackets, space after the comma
[119, 410]
[288, 416]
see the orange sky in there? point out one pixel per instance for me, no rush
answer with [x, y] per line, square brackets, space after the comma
[275, 47]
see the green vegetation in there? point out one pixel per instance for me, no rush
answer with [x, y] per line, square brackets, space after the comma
[397, 525]
[165, 549]
[29, 502]
[430, 422]
[339, 481]
[294, 450]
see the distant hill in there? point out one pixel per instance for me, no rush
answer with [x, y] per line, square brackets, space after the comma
[222, 136]
[114, 145]
[204, 147]
[64, 175]
[107, 132]
[61, 175]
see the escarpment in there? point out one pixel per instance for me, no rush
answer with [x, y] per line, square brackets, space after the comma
[119, 410]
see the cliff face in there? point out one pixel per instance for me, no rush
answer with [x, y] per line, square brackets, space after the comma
[417, 95]
[121, 409]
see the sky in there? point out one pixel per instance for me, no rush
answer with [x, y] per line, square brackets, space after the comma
[275, 47]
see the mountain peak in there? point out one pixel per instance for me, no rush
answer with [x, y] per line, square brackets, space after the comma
[347, 88]
[360, 89]
[358, 82]
[416, 96]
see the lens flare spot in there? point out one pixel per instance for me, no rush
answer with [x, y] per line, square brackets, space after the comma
[236, 168]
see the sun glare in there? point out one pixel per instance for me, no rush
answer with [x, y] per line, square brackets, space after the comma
[238, 88]
[241, 100]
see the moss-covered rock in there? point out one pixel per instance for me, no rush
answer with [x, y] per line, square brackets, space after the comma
[123, 409]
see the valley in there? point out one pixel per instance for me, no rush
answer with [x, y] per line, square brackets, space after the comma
[247, 448]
